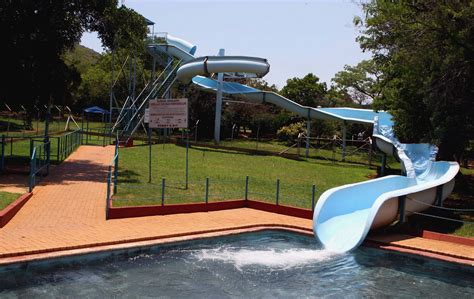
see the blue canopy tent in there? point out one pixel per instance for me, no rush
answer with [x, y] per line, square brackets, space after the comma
[94, 110]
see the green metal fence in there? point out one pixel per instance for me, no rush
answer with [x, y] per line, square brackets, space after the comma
[101, 136]
[65, 145]
[18, 150]
[39, 163]
[37, 152]
[213, 189]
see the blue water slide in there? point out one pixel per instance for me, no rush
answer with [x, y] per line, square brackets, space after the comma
[344, 215]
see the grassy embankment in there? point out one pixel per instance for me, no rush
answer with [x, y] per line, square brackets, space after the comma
[226, 171]
[7, 198]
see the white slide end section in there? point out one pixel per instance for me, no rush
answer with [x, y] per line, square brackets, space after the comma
[344, 215]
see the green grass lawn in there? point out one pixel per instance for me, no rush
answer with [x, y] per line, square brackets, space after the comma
[226, 171]
[7, 198]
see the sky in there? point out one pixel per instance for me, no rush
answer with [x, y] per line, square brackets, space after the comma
[296, 36]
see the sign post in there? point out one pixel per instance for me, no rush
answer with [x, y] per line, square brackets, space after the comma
[187, 159]
[147, 121]
[168, 114]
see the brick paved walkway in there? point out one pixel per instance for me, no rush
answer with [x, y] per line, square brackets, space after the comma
[67, 211]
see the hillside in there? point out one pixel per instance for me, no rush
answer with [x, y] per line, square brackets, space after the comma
[82, 57]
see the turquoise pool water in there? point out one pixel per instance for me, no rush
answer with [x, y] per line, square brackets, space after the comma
[259, 265]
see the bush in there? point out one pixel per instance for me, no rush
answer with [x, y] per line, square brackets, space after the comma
[291, 132]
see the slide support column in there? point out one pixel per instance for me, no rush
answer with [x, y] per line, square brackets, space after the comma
[308, 133]
[401, 208]
[217, 120]
[344, 133]
[384, 162]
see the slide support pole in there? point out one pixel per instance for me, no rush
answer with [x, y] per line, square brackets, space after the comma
[217, 125]
[344, 133]
[384, 162]
[308, 133]
[439, 196]
[401, 208]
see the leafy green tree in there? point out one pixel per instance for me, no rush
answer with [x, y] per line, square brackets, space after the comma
[361, 82]
[37, 33]
[262, 85]
[425, 50]
[307, 91]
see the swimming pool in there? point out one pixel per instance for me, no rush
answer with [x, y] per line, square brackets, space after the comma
[266, 264]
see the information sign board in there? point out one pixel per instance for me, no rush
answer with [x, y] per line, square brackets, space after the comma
[169, 113]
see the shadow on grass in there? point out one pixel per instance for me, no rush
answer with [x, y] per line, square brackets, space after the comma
[221, 151]
[14, 127]
[128, 176]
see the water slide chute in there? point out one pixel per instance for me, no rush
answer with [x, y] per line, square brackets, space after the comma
[344, 215]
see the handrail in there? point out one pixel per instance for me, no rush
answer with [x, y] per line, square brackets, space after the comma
[171, 76]
[40, 160]
[155, 85]
[114, 164]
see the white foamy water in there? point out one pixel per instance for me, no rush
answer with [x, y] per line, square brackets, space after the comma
[281, 259]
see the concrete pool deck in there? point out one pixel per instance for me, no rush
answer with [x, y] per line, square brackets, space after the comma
[66, 215]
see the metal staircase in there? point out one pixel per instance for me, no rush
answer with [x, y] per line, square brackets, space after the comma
[157, 89]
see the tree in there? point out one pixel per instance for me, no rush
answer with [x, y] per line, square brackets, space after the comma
[307, 91]
[37, 33]
[261, 84]
[425, 50]
[361, 82]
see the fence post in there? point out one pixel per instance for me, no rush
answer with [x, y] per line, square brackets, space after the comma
[163, 183]
[258, 135]
[32, 172]
[207, 190]
[31, 147]
[298, 145]
[246, 187]
[3, 153]
[58, 150]
[107, 206]
[116, 173]
[313, 194]
[48, 154]
[370, 152]
[66, 147]
[278, 192]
